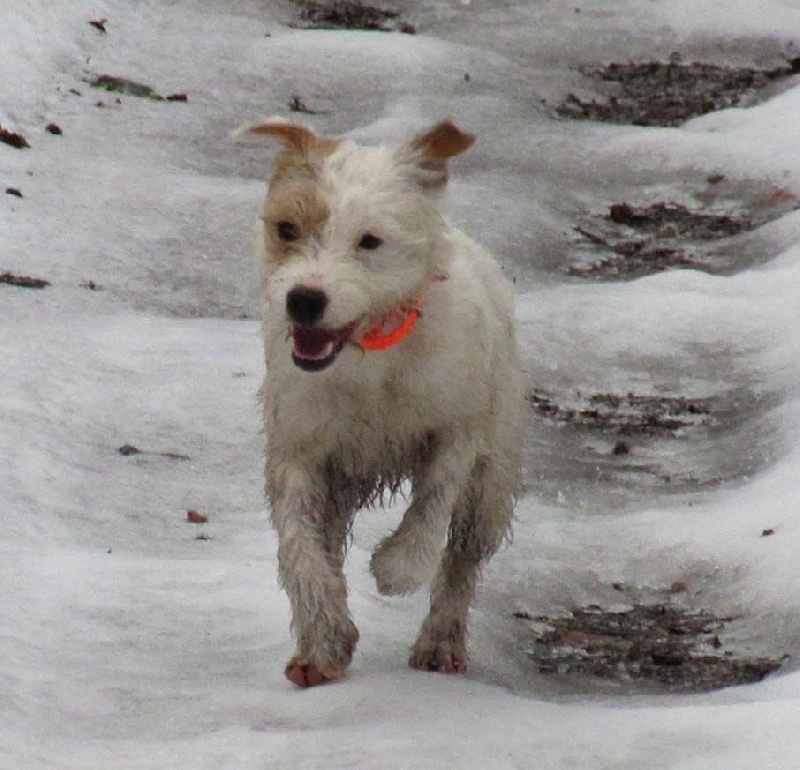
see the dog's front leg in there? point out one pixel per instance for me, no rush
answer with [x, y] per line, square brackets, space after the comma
[409, 556]
[481, 521]
[310, 569]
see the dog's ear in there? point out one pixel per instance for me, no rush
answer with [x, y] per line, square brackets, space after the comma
[291, 135]
[304, 151]
[428, 153]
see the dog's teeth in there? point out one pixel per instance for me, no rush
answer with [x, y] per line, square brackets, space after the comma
[316, 355]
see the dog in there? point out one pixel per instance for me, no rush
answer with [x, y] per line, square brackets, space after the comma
[391, 358]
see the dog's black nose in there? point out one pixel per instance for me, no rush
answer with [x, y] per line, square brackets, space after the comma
[306, 306]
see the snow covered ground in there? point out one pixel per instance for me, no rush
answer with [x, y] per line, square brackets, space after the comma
[126, 641]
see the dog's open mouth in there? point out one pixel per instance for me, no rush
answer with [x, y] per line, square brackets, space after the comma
[315, 349]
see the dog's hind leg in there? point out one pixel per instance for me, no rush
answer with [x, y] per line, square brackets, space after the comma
[311, 530]
[409, 556]
[480, 522]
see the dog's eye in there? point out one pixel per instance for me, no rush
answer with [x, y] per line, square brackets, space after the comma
[369, 241]
[287, 231]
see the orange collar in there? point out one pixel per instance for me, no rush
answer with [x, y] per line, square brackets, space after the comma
[392, 329]
[396, 325]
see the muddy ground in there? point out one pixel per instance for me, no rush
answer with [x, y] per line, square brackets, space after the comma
[669, 93]
[633, 240]
[626, 414]
[349, 14]
[658, 640]
[663, 644]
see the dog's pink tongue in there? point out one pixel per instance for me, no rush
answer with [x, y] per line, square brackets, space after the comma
[311, 344]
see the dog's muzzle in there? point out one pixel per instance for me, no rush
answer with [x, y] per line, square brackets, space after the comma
[314, 347]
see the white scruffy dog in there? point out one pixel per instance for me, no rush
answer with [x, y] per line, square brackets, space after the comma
[390, 356]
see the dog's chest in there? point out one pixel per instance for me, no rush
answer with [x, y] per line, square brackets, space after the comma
[369, 428]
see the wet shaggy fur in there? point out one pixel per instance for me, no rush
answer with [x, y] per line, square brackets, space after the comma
[352, 235]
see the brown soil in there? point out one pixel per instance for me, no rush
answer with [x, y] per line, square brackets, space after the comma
[629, 414]
[632, 241]
[679, 649]
[668, 93]
[115, 84]
[666, 219]
[349, 14]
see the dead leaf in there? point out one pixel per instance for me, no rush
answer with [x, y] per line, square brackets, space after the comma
[780, 195]
[14, 139]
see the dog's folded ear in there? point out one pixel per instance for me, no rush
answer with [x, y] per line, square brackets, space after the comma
[427, 153]
[291, 135]
[304, 151]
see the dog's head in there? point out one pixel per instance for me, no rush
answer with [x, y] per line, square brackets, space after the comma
[351, 233]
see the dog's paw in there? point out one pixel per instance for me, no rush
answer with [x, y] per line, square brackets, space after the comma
[306, 673]
[326, 661]
[445, 658]
[390, 581]
[396, 572]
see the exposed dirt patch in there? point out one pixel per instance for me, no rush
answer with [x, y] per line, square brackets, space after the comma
[599, 450]
[349, 14]
[668, 93]
[679, 649]
[667, 219]
[120, 85]
[628, 414]
[23, 281]
[631, 241]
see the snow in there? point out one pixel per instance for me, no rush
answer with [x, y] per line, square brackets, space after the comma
[740, 18]
[127, 642]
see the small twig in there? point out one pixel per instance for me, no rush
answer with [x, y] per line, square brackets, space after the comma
[296, 104]
[23, 281]
[599, 240]
[128, 449]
